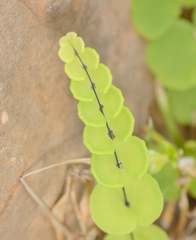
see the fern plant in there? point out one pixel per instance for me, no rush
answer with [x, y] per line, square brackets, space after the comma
[126, 199]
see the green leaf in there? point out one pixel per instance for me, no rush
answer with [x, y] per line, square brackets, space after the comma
[118, 237]
[152, 232]
[106, 172]
[82, 90]
[112, 101]
[188, 3]
[123, 125]
[190, 145]
[183, 106]
[75, 70]
[90, 114]
[133, 155]
[102, 77]
[152, 18]
[97, 140]
[190, 148]
[78, 44]
[145, 198]
[110, 213]
[173, 64]
[67, 39]
[166, 179]
[66, 53]
[90, 58]
[157, 161]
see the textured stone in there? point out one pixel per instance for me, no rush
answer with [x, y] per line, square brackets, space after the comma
[38, 115]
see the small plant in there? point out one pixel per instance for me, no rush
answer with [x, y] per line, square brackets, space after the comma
[126, 199]
[171, 50]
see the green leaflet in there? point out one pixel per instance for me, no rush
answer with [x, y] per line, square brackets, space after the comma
[75, 70]
[106, 172]
[67, 39]
[78, 44]
[118, 237]
[166, 179]
[133, 155]
[102, 77]
[145, 198]
[90, 114]
[82, 90]
[111, 214]
[97, 140]
[174, 64]
[123, 125]
[90, 58]
[152, 232]
[66, 51]
[153, 18]
[183, 106]
[188, 3]
[112, 101]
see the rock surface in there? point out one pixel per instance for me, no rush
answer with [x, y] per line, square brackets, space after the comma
[38, 115]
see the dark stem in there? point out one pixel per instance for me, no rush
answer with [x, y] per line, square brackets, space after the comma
[110, 133]
[132, 236]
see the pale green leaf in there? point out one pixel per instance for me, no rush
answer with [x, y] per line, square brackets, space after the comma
[109, 211]
[167, 180]
[78, 44]
[97, 140]
[102, 77]
[123, 125]
[67, 39]
[145, 198]
[152, 232]
[90, 113]
[90, 58]
[188, 3]
[112, 101]
[173, 64]
[133, 155]
[75, 70]
[106, 172]
[82, 90]
[153, 18]
[118, 237]
[157, 161]
[183, 106]
[66, 53]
